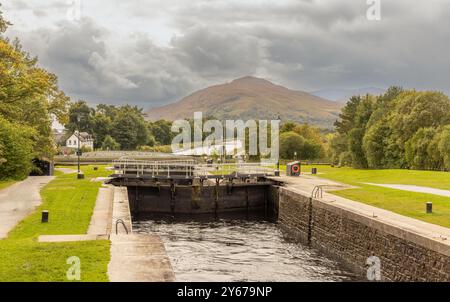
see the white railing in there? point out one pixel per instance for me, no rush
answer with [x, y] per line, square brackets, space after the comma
[190, 168]
[234, 169]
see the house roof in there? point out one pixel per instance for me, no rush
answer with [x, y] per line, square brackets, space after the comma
[84, 136]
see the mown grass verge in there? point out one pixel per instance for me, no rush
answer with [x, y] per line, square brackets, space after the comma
[70, 203]
[406, 203]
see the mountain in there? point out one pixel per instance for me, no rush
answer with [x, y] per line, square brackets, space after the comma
[251, 98]
[343, 95]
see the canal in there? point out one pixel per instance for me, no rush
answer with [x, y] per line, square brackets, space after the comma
[237, 249]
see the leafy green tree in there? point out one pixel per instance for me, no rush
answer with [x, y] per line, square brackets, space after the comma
[29, 98]
[17, 142]
[375, 145]
[287, 127]
[414, 110]
[444, 146]
[129, 128]
[355, 148]
[161, 131]
[291, 142]
[417, 149]
[110, 143]
[346, 120]
[101, 128]
[81, 117]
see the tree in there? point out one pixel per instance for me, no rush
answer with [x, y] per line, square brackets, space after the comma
[3, 23]
[129, 128]
[355, 147]
[110, 144]
[444, 146]
[291, 142]
[29, 97]
[399, 129]
[414, 110]
[375, 145]
[347, 116]
[417, 149]
[287, 127]
[101, 127]
[161, 131]
[81, 117]
[17, 143]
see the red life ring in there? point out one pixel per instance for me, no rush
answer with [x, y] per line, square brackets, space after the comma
[295, 168]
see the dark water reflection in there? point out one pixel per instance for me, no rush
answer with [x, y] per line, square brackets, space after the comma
[239, 250]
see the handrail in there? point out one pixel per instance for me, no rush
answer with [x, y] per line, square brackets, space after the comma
[190, 168]
[317, 191]
[123, 223]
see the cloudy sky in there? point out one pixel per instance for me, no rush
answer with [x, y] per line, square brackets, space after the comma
[149, 52]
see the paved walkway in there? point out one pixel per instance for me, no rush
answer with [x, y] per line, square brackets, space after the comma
[411, 188]
[139, 258]
[135, 257]
[101, 217]
[20, 200]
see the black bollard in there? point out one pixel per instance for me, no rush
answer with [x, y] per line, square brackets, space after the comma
[429, 207]
[44, 216]
[314, 171]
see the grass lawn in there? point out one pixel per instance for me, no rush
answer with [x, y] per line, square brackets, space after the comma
[70, 203]
[433, 179]
[6, 183]
[402, 202]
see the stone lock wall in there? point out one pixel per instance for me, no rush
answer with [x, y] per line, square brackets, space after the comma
[351, 238]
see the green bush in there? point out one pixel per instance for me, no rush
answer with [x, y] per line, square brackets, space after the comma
[291, 142]
[110, 143]
[17, 150]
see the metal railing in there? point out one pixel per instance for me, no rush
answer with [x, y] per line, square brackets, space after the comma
[234, 169]
[317, 192]
[154, 168]
[190, 168]
[120, 221]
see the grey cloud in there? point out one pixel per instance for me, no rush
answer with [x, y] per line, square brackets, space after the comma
[306, 45]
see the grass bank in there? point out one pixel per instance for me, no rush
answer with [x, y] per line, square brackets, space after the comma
[406, 203]
[70, 203]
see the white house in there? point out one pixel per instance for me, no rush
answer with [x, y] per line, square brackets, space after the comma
[85, 138]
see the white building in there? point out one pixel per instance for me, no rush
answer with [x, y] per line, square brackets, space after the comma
[85, 138]
[230, 147]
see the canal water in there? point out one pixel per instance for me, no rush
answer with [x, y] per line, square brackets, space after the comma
[238, 250]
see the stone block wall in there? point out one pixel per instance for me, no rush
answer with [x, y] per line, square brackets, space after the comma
[351, 238]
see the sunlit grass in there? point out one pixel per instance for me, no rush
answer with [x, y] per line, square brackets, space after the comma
[70, 203]
[411, 204]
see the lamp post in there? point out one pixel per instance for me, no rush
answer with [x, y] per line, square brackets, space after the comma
[277, 172]
[79, 174]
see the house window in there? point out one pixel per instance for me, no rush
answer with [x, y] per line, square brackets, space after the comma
[70, 142]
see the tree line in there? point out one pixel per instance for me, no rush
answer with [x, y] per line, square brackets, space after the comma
[118, 128]
[399, 129]
[29, 97]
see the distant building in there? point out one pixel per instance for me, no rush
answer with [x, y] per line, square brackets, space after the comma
[230, 147]
[85, 138]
